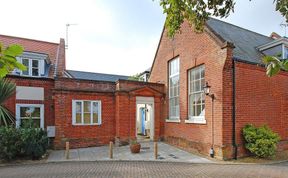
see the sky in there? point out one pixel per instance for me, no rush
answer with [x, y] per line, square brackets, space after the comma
[114, 36]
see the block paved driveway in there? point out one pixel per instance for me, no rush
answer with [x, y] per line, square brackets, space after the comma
[165, 153]
[142, 169]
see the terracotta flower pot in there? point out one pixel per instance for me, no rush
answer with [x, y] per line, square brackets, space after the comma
[135, 148]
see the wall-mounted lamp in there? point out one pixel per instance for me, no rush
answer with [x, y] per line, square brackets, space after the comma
[206, 90]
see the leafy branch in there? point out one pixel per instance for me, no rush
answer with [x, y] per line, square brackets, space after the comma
[8, 61]
[197, 12]
[274, 65]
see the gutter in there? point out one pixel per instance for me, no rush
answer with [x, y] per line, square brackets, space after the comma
[234, 142]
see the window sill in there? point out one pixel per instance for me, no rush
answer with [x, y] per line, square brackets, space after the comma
[173, 121]
[85, 124]
[195, 122]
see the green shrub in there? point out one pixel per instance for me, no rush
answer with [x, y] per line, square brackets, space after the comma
[10, 143]
[34, 140]
[261, 141]
[25, 141]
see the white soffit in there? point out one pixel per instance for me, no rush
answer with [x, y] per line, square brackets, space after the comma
[29, 93]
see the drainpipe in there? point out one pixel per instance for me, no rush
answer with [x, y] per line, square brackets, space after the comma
[234, 143]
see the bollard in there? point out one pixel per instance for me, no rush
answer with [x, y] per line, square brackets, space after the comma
[155, 150]
[67, 150]
[111, 150]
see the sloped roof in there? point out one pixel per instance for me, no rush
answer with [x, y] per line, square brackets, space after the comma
[245, 41]
[32, 45]
[96, 76]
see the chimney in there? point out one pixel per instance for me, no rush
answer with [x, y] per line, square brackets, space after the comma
[60, 62]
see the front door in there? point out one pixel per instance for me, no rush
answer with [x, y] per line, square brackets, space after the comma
[145, 118]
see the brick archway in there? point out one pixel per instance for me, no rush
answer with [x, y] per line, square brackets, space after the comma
[126, 111]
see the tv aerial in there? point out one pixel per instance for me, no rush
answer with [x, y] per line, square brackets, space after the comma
[67, 30]
[284, 25]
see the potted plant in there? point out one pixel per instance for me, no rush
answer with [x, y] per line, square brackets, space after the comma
[135, 146]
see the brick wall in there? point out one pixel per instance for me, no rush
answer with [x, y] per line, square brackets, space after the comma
[261, 100]
[47, 84]
[126, 93]
[118, 111]
[193, 50]
[83, 136]
[84, 85]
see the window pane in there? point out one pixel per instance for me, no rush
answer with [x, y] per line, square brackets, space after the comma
[34, 63]
[95, 118]
[202, 84]
[198, 110]
[203, 110]
[78, 107]
[196, 98]
[174, 66]
[36, 112]
[95, 107]
[202, 72]
[95, 112]
[78, 118]
[87, 118]
[197, 86]
[197, 74]
[34, 123]
[23, 112]
[190, 105]
[30, 111]
[87, 106]
[35, 72]
[203, 98]
[25, 62]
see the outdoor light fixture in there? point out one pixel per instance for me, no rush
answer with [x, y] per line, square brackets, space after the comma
[206, 88]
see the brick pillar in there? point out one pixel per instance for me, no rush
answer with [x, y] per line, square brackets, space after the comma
[122, 118]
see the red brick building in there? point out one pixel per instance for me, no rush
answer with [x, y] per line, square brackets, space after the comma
[91, 109]
[229, 58]
[86, 109]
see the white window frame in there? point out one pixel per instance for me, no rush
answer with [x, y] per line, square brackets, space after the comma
[82, 112]
[195, 119]
[177, 60]
[30, 67]
[18, 119]
[285, 51]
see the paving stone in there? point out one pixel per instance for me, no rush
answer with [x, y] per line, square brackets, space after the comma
[167, 152]
[141, 169]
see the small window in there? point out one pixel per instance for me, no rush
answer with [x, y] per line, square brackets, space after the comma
[86, 112]
[32, 67]
[196, 94]
[174, 89]
[27, 112]
[25, 62]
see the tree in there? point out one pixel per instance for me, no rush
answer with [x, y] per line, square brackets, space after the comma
[274, 65]
[7, 89]
[197, 12]
[136, 77]
[8, 61]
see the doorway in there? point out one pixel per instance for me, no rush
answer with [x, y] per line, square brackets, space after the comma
[145, 118]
